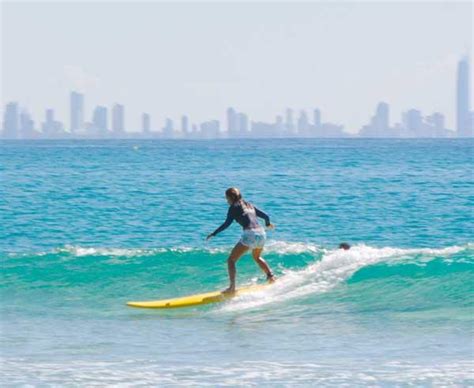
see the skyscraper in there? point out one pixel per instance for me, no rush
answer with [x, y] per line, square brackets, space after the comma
[184, 124]
[381, 118]
[463, 121]
[243, 121]
[436, 120]
[279, 126]
[118, 114]
[77, 112]
[27, 125]
[210, 129]
[413, 122]
[168, 129]
[303, 123]
[145, 123]
[232, 122]
[317, 118]
[10, 121]
[99, 119]
[51, 127]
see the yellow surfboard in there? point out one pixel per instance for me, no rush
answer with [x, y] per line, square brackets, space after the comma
[195, 300]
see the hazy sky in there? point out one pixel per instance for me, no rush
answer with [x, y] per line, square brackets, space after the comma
[199, 58]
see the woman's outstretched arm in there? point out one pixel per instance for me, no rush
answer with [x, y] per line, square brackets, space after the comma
[224, 226]
[263, 215]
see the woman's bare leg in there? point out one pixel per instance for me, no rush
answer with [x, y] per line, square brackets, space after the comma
[235, 255]
[262, 263]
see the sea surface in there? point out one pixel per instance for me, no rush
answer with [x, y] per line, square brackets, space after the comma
[86, 226]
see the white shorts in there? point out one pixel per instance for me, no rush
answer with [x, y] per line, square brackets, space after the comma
[253, 238]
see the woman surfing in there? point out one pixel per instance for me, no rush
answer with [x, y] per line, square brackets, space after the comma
[253, 236]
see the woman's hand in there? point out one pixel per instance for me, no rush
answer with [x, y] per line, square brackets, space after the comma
[270, 226]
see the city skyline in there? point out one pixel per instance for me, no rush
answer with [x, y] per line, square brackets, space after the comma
[18, 123]
[165, 58]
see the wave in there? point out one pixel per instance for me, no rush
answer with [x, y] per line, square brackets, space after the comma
[364, 277]
[281, 247]
[366, 270]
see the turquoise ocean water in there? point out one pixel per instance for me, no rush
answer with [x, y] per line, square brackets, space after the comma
[87, 225]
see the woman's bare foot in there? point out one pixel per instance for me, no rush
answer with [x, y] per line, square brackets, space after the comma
[271, 278]
[229, 290]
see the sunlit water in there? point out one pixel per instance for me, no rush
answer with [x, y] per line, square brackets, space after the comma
[87, 226]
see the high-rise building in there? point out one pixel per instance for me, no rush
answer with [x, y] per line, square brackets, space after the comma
[303, 122]
[99, 119]
[463, 124]
[413, 122]
[317, 118]
[77, 112]
[27, 125]
[279, 126]
[379, 125]
[118, 118]
[184, 124]
[243, 123]
[49, 115]
[11, 121]
[434, 126]
[381, 118]
[145, 123]
[232, 121]
[168, 130]
[50, 126]
[436, 120]
[210, 129]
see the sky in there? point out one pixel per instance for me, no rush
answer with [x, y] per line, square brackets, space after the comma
[196, 58]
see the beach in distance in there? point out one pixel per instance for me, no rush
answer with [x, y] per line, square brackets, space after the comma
[88, 225]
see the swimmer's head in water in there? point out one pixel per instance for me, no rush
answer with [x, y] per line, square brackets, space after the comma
[344, 246]
[233, 195]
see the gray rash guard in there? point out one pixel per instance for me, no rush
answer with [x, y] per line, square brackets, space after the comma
[245, 214]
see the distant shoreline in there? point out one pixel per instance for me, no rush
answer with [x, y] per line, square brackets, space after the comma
[231, 138]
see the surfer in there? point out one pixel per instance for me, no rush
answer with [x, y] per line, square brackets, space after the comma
[253, 236]
[344, 246]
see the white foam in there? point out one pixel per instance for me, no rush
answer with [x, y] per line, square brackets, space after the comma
[21, 372]
[278, 247]
[125, 252]
[334, 268]
[283, 247]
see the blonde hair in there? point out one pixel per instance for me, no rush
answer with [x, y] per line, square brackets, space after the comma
[233, 193]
